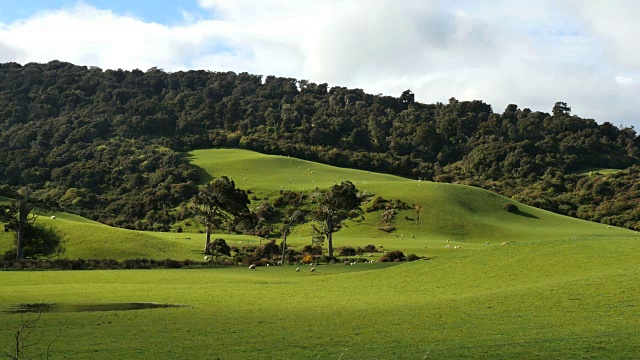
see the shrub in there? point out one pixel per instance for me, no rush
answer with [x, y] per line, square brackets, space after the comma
[312, 249]
[412, 257]
[510, 207]
[346, 251]
[392, 256]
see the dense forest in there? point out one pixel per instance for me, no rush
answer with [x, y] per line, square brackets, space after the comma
[107, 144]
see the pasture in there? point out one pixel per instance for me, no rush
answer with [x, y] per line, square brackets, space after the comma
[561, 288]
[567, 298]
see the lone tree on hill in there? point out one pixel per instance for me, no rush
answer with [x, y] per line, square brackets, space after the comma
[219, 204]
[339, 203]
[31, 240]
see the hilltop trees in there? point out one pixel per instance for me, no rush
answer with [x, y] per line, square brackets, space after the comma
[107, 144]
[218, 204]
[336, 205]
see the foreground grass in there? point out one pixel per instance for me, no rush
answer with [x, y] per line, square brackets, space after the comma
[570, 298]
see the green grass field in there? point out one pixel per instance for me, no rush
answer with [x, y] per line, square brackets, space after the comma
[561, 289]
[559, 299]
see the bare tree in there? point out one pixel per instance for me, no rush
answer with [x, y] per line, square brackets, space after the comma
[29, 335]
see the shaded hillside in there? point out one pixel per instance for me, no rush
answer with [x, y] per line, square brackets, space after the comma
[104, 143]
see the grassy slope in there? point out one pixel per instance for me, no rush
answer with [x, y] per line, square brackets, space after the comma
[465, 215]
[553, 299]
[564, 289]
[460, 213]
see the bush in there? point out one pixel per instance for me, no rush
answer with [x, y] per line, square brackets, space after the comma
[346, 251]
[393, 256]
[312, 249]
[510, 207]
[412, 257]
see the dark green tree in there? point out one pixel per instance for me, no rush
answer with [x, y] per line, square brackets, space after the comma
[219, 247]
[339, 203]
[218, 205]
[31, 240]
[18, 218]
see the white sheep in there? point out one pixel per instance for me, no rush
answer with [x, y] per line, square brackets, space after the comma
[267, 265]
[53, 217]
[313, 269]
[280, 263]
[297, 269]
[207, 258]
[252, 267]
[448, 246]
[609, 227]
[458, 247]
[487, 243]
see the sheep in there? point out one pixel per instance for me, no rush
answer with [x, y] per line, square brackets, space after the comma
[313, 269]
[487, 243]
[447, 240]
[448, 246]
[267, 265]
[353, 263]
[252, 267]
[458, 247]
[297, 269]
[280, 263]
[207, 258]
[609, 227]
[53, 217]
[346, 262]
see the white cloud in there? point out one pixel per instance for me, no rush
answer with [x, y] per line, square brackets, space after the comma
[529, 53]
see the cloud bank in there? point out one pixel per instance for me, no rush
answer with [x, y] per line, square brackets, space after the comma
[502, 52]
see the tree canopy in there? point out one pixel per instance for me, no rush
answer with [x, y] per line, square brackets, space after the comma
[339, 203]
[218, 204]
[106, 144]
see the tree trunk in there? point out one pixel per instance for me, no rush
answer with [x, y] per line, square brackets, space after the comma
[22, 227]
[284, 244]
[206, 246]
[330, 242]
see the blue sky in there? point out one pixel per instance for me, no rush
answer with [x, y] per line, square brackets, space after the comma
[160, 11]
[583, 52]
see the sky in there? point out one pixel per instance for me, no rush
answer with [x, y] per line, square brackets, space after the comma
[533, 54]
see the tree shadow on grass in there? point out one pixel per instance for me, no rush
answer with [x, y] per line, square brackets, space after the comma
[203, 176]
[524, 214]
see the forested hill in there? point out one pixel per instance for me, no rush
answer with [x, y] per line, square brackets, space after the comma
[106, 143]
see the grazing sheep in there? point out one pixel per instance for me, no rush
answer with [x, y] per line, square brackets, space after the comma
[487, 243]
[447, 240]
[608, 227]
[252, 267]
[53, 217]
[297, 269]
[458, 247]
[207, 258]
[267, 264]
[353, 263]
[448, 246]
[280, 263]
[346, 262]
[313, 269]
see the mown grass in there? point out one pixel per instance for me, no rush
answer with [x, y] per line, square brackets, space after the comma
[561, 299]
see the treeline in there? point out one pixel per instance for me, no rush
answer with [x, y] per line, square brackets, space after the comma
[106, 144]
